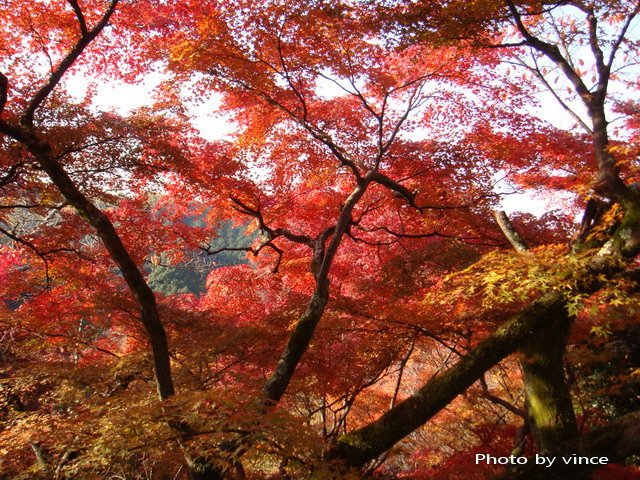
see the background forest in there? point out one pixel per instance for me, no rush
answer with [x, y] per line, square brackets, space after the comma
[314, 278]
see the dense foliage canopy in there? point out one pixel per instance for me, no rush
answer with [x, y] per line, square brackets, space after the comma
[315, 278]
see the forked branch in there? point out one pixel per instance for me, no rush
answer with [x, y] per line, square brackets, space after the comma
[86, 38]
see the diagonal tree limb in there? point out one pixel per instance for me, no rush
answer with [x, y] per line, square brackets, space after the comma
[66, 63]
[79, 15]
[360, 446]
[509, 231]
[299, 341]
[105, 229]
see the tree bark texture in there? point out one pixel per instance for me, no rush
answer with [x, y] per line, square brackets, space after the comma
[549, 406]
[548, 400]
[362, 445]
[298, 343]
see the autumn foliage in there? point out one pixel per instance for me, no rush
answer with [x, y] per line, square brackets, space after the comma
[284, 255]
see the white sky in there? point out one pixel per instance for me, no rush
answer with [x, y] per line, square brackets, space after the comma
[124, 98]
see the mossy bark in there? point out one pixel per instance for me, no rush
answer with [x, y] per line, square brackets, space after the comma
[362, 445]
[300, 339]
[548, 400]
[626, 239]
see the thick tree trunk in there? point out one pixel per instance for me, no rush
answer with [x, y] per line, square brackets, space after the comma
[544, 321]
[608, 182]
[551, 415]
[549, 406]
[362, 445]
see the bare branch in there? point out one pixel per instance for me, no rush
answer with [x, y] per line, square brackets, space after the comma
[43, 254]
[300, 338]
[552, 52]
[623, 32]
[409, 196]
[500, 401]
[317, 133]
[536, 71]
[401, 190]
[371, 243]
[403, 364]
[521, 43]
[40, 460]
[74, 338]
[65, 64]
[254, 251]
[287, 76]
[414, 102]
[592, 22]
[272, 233]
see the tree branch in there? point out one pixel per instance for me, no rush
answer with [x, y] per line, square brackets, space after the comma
[362, 445]
[499, 401]
[65, 64]
[299, 341]
[11, 174]
[254, 251]
[242, 207]
[618, 42]
[79, 15]
[552, 52]
[509, 231]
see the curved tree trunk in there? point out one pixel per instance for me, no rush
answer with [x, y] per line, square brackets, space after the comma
[132, 275]
[299, 341]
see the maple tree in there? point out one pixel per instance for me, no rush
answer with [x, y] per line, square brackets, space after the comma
[370, 145]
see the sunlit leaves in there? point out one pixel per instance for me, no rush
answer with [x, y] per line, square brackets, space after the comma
[322, 96]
